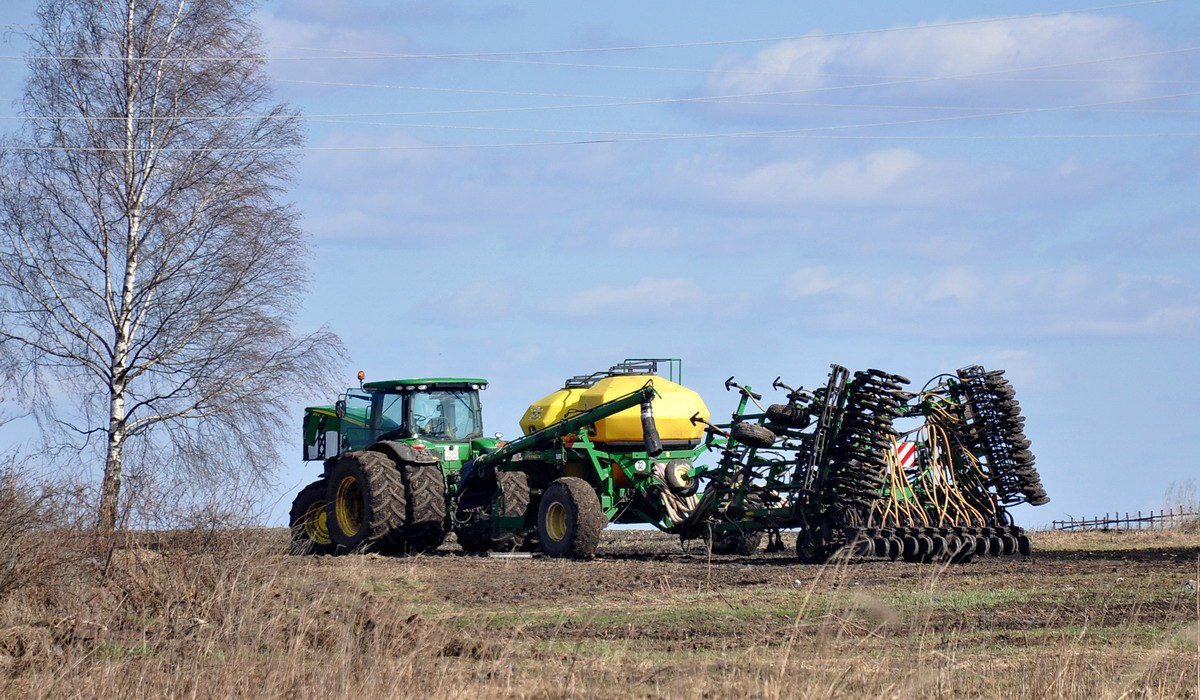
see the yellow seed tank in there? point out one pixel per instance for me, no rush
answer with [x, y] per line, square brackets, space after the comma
[673, 410]
[550, 409]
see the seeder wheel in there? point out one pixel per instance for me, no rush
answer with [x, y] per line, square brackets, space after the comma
[810, 549]
[570, 519]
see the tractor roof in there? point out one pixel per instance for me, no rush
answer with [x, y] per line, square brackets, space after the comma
[428, 382]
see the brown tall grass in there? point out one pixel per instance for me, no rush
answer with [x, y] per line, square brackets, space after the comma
[224, 613]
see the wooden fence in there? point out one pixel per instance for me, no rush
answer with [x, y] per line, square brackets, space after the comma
[1159, 519]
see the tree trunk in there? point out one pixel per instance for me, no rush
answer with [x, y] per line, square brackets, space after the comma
[110, 487]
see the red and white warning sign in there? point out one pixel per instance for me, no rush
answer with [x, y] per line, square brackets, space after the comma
[906, 452]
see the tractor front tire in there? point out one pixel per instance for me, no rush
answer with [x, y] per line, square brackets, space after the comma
[309, 521]
[365, 503]
[425, 496]
[570, 519]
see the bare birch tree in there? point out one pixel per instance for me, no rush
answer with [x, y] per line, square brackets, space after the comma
[150, 269]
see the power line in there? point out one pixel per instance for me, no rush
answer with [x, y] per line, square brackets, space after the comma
[872, 76]
[584, 142]
[351, 54]
[634, 102]
[621, 135]
[775, 133]
[358, 56]
[319, 117]
[355, 118]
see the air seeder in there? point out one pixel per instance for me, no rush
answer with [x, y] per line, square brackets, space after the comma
[832, 464]
[406, 463]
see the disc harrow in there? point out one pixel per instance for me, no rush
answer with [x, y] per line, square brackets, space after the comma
[828, 462]
[998, 431]
[857, 456]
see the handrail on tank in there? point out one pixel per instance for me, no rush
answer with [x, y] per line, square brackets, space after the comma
[630, 366]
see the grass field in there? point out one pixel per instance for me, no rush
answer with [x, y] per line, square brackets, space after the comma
[227, 614]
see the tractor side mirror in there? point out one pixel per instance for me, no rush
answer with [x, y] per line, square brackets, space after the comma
[340, 408]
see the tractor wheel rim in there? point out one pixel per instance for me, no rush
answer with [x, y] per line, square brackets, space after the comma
[556, 522]
[348, 507]
[316, 523]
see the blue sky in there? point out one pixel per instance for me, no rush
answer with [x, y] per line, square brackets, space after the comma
[909, 186]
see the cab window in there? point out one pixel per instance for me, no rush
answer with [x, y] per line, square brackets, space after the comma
[446, 415]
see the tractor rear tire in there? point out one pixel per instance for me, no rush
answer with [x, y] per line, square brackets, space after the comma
[365, 503]
[425, 495]
[514, 495]
[570, 519]
[309, 521]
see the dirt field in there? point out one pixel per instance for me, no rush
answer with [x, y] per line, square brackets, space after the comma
[1089, 615]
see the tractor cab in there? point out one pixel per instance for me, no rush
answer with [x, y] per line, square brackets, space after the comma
[437, 410]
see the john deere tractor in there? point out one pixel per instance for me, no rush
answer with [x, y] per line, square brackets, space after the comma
[392, 452]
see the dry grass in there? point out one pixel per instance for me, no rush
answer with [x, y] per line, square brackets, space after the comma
[227, 615]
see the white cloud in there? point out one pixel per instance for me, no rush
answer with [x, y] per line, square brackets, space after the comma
[1074, 301]
[896, 176]
[817, 62]
[812, 281]
[648, 295]
[472, 302]
[286, 36]
[647, 238]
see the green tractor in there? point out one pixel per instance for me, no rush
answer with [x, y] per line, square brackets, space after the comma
[392, 453]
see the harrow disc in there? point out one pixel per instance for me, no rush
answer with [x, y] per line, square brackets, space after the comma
[998, 431]
[1024, 546]
[894, 548]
